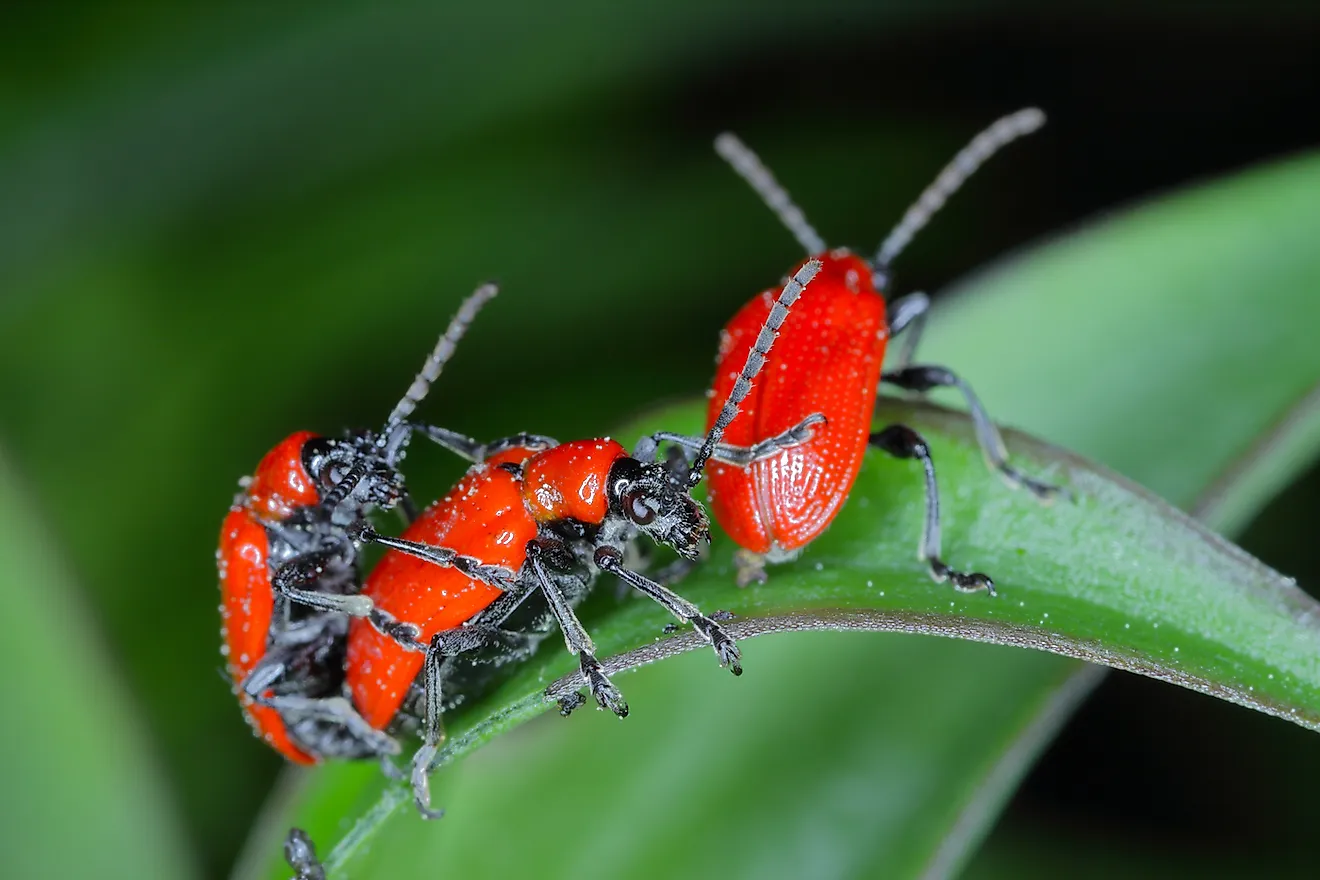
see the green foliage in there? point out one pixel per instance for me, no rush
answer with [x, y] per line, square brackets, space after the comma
[1112, 575]
[220, 224]
[82, 791]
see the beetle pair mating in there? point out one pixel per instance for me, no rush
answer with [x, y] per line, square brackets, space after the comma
[535, 516]
[530, 516]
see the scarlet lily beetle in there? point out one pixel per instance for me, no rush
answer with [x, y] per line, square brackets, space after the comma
[533, 515]
[829, 361]
[287, 532]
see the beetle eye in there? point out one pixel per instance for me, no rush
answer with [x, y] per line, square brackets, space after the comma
[636, 509]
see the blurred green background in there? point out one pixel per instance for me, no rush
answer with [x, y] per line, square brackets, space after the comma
[222, 223]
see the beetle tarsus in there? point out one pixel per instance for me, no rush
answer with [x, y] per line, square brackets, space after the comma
[300, 853]
[602, 689]
[571, 702]
[962, 581]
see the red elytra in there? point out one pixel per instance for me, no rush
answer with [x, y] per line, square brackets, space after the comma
[279, 485]
[827, 360]
[490, 515]
[484, 515]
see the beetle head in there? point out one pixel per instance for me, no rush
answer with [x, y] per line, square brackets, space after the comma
[647, 497]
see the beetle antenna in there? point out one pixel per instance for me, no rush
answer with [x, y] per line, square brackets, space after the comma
[751, 169]
[999, 134]
[345, 486]
[435, 362]
[755, 360]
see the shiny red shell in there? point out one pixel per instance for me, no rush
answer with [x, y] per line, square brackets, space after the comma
[281, 484]
[569, 481]
[247, 602]
[484, 517]
[827, 359]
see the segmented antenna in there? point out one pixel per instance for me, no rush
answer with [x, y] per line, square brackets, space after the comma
[999, 134]
[750, 168]
[755, 360]
[345, 486]
[435, 362]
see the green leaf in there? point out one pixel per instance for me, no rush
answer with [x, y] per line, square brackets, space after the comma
[1243, 489]
[1099, 568]
[84, 795]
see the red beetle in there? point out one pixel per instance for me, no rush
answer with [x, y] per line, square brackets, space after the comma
[829, 361]
[532, 515]
[285, 534]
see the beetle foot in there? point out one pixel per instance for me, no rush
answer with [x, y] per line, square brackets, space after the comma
[421, 782]
[570, 702]
[1045, 493]
[963, 582]
[300, 853]
[721, 641]
[606, 694]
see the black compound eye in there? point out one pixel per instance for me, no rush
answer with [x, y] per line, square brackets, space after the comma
[634, 505]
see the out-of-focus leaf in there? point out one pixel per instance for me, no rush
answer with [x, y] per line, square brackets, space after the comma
[83, 794]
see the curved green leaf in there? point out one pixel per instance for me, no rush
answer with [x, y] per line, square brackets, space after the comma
[1116, 577]
[1225, 505]
[1091, 578]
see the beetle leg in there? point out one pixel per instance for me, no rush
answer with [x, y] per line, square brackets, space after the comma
[611, 560]
[493, 575]
[339, 712]
[300, 853]
[743, 456]
[353, 735]
[901, 441]
[403, 632]
[476, 451]
[576, 638]
[433, 731]
[460, 444]
[292, 576]
[291, 649]
[443, 645]
[907, 313]
[922, 379]
[266, 673]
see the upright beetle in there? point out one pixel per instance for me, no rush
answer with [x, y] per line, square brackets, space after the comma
[829, 361]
